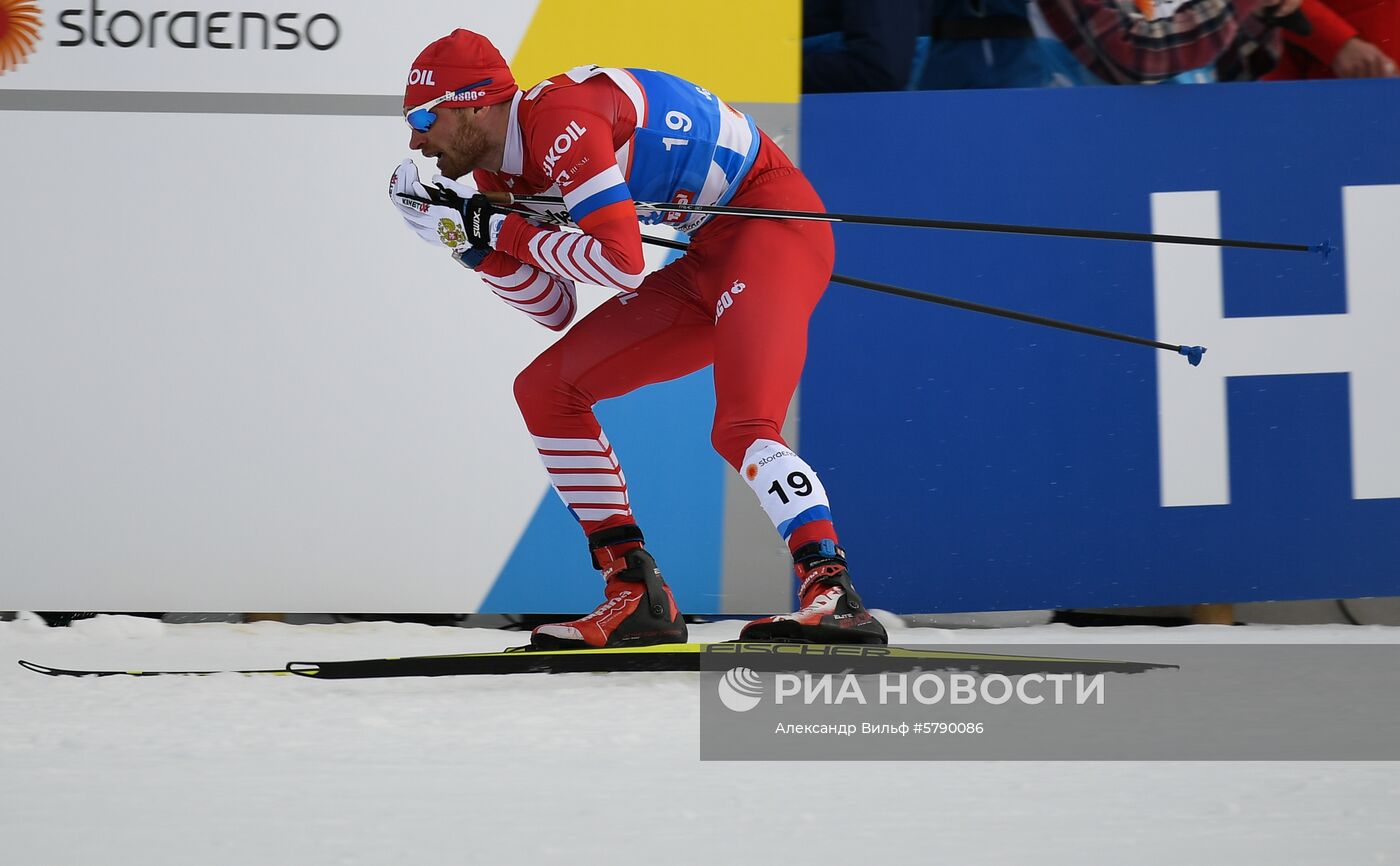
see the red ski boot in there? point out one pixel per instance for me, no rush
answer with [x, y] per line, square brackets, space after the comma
[831, 611]
[639, 610]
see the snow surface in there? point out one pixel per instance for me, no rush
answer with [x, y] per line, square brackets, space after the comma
[583, 769]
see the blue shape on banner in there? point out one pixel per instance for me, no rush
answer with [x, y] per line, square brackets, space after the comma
[675, 480]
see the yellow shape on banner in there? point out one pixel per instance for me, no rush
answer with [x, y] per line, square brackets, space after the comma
[742, 50]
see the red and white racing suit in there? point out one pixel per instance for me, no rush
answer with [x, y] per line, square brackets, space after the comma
[739, 299]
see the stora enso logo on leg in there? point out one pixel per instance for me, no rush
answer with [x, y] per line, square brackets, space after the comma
[19, 32]
[740, 689]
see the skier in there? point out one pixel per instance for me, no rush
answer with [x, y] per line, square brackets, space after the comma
[739, 299]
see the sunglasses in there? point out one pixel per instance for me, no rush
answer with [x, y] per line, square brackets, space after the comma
[422, 118]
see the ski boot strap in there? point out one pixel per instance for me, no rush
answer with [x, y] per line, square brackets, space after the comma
[651, 579]
[623, 537]
[817, 552]
[625, 543]
[824, 562]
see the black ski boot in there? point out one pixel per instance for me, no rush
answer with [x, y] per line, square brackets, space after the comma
[831, 611]
[639, 610]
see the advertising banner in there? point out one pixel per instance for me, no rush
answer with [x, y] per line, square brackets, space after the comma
[233, 381]
[976, 463]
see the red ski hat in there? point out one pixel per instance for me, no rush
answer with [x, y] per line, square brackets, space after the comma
[462, 59]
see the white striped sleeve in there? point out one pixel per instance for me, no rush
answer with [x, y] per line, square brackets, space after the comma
[544, 297]
[615, 276]
[580, 258]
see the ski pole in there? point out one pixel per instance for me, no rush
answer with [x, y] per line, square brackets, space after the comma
[1193, 353]
[1325, 247]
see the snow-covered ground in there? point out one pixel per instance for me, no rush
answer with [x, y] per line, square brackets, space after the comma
[582, 768]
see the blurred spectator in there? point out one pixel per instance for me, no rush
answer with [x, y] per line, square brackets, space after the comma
[1349, 39]
[959, 44]
[983, 43]
[855, 45]
[1145, 42]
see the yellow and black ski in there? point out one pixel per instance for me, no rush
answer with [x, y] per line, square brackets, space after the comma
[850, 658]
[758, 656]
[72, 672]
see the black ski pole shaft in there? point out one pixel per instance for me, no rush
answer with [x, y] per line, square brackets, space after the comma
[1325, 247]
[1193, 353]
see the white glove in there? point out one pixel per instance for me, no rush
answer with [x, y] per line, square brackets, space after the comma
[437, 224]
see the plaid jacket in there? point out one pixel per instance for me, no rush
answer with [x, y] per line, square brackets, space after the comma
[1121, 45]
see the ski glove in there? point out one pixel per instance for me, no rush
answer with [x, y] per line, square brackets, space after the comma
[450, 214]
[479, 217]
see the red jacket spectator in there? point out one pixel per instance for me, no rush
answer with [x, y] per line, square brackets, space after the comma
[1350, 39]
[1121, 44]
